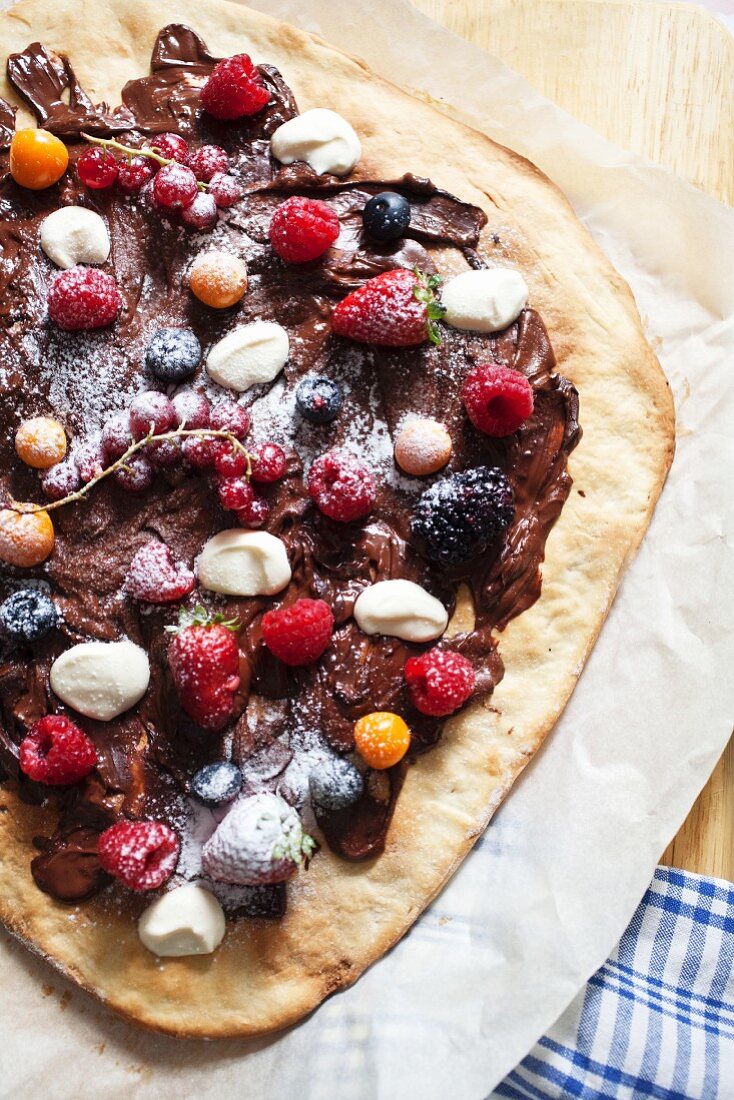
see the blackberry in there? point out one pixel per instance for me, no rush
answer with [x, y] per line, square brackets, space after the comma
[336, 784]
[28, 615]
[386, 216]
[217, 783]
[459, 516]
[318, 399]
[173, 354]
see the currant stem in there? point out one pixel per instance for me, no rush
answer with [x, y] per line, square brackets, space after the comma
[121, 463]
[129, 151]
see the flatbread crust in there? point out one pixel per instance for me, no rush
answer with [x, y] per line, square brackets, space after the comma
[342, 917]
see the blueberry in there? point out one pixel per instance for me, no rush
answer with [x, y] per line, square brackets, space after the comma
[336, 784]
[173, 354]
[459, 516]
[216, 783]
[386, 216]
[28, 615]
[318, 399]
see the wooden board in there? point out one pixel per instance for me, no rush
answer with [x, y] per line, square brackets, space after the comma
[657, 79]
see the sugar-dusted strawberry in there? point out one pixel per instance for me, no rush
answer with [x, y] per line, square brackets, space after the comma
[204, 660]
[397, 309]
[155, 577]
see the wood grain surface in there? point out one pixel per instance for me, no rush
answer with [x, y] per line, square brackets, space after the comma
[657, 79]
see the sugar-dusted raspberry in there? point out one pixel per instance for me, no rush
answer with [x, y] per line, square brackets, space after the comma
[255, 515]
[303, 229]
[298, 634]
[136, 475]
[141, 854]
[235, 493]
[225, 189]
[341, 486]
[234, 89]
[459, 516]
[116, 437]
[268, 462]
[83, 298]
[174, 187]
[201, 213]
[191, 410]
[61, 480]
[155, 577]
[171, 146]
[90, 460]
[231, 462]
[151, 413]
[56, 752]
[133, 175]
[228, 416]
[205, 161]
[497, 399]
[439, 681]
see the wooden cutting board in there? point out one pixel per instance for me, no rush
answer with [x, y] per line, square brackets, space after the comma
[658, 79]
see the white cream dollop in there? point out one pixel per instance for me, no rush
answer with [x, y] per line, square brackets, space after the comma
[484, 301]
[325, 140]
[101, 679]
[186, 921]
[244, 563]
[249, 355]
[74, 235]
[401, 609]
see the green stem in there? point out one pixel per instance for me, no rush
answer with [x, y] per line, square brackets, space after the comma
[129, 151]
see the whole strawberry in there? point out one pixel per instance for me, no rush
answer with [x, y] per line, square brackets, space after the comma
[397, 309]
[204, 660]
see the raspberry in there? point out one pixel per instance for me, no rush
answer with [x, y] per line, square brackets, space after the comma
[268, 462]
[56, 752]
[228, 416]
[174, 187]
[497, 399]
[136, 475]
[191, 410]
[341, 487]
[171, 146]
[459, 516]
[439, 681]
[231, 463]
[255, 515]
[207, 160]
[201, 214]
[90, 460]
[116, 436]
[234, 89]
[61, 480]
[235, 493]
[83, 298]
[224, 189]
[303, 229]
[155, 577]
[133, 175]
[300, 633]
[97, 169]
[141, 854]
[151, 413]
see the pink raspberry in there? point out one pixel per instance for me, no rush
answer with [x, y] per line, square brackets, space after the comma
[56, 752]
[303, 229]
[341, 486]
[439, 681]
[300, 633]
[497, 399]
[207, 160]
[234, 89]
[155, 577]
[83, 298]
[268, 462]
[141, 854]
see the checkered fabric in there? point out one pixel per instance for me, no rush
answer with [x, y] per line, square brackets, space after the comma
[657, 1020]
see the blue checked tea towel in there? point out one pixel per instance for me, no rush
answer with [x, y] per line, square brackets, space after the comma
[657, 1020]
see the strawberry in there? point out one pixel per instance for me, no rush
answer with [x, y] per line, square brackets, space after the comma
[204, 660]
[397, 309]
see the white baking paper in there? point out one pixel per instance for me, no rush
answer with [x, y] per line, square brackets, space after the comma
[544, 897]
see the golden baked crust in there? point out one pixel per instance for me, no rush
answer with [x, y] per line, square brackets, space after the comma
[342, 917]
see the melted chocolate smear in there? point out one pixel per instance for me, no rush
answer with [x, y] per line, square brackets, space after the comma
[147, 755]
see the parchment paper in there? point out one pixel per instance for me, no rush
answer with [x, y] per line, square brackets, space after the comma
[546, 894]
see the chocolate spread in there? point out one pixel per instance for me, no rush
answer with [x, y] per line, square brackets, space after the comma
[147, 755]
